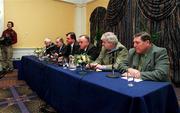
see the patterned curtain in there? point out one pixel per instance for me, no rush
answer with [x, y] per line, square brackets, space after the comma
[157, 9]
[118, 20]
[97, 25]
[115, 11]
[161, 18]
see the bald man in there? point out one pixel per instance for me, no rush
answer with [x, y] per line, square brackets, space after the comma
[87, 48]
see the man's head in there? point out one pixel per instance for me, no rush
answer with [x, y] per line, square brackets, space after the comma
[59, 42]
[109, 40]
[70, 38]
[10, 24]
[84, 41]
[142, 42]
[47, 42]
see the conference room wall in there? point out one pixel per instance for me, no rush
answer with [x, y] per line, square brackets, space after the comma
[89, 9]
[37, 19]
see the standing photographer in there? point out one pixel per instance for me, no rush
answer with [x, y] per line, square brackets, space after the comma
[8, 38]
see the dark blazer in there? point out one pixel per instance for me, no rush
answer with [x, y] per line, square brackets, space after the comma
[75, 49]
[50, 49]
[61, 50]
[155, 66]
[91, 51]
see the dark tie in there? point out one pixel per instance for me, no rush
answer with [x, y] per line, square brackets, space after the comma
[71, 50]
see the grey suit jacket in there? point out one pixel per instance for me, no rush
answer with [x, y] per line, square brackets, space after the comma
[156, 64]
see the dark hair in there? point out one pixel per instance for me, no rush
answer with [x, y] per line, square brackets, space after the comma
[11, 23]
[144, 36]
[60, 39]
[72, 35]
[86, 36]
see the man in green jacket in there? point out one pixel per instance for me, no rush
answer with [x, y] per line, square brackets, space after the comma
[147, 61]
[110, 43]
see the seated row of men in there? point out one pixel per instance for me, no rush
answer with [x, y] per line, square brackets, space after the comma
[145, 60]
[73, 47]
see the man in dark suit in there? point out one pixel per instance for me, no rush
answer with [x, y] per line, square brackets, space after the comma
[60, 48]
[49, 47]
[87, 48]
[72, 44]
[147, 61]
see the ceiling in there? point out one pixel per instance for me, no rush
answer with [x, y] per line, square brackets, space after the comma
[77, 1]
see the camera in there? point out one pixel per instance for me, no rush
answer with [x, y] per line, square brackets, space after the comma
[5, 41]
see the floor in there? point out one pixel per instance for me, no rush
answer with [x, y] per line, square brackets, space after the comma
[17, 97]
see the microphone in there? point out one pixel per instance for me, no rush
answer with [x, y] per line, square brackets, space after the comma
[115, 50]
[51, 46]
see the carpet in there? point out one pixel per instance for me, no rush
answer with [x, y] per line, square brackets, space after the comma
[17, 97]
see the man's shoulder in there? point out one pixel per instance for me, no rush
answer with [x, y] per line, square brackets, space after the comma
[91, 46]
[132, 50]
[5, 31]
[76, 43]
[157, 49]
[120, 45]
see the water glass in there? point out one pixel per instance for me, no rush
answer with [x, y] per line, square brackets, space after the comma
[65, 63]
[130, 80]
[72, 65]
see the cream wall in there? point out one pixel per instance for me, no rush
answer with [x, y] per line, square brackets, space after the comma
[89, 9]
[37, 19]
[1, 16]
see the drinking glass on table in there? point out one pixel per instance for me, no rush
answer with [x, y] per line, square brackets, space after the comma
[65, 63]
[72, 65]
[130, 79]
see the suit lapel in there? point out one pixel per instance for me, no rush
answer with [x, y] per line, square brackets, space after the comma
[146, 62]
[147, 59]
[135, 62]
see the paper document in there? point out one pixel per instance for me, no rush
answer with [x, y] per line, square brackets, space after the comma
[135, 80]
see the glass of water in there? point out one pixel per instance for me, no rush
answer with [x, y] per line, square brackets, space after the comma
[65, 63]
[130, 80]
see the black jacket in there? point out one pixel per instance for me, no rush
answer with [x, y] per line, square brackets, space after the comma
[91, 51]
[61, 51]
[75, 49]
[50, 49]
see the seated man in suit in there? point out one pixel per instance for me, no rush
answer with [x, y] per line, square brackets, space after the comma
[49, 47]
[146, 60]
[72, 44]
[104, 60]
[87, 48]
[60, 49]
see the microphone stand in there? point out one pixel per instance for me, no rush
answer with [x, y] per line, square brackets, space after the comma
[113, 75]
[113, 64]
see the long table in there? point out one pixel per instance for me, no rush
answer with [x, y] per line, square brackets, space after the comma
[73, 92]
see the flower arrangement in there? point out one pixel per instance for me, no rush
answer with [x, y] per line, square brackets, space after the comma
[38, 51]
[82, 59]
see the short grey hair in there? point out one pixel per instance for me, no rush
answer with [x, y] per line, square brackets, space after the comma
[110, 37]
[47, 40]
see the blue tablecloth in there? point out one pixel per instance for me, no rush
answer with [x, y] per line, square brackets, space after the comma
[71, 92]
